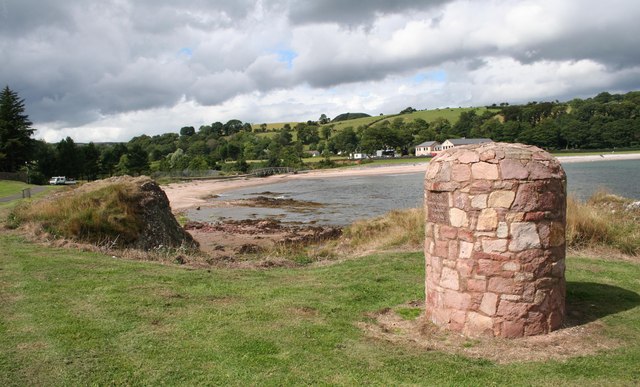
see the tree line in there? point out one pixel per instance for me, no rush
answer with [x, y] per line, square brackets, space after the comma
[604, 121]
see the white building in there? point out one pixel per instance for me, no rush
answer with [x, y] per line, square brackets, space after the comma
[450, 143]
[427, 148]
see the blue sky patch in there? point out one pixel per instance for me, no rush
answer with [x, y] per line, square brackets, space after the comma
[186, 52]
[286, 56]
[435, 76]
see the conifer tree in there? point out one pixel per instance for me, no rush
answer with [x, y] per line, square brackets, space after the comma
[15, 132]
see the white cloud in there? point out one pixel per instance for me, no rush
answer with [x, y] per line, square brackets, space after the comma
[112, 69]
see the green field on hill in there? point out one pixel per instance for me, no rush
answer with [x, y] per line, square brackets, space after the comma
[451, 114]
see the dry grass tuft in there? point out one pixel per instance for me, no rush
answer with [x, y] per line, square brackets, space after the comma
[604, 221]
[95, 217]
[398, 229]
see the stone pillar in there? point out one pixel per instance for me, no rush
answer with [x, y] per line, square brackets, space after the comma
[495, 240]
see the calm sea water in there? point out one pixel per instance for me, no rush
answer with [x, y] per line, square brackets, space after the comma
[347, 199]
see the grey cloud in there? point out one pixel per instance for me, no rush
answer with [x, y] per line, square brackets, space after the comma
[615, 46]
[219, 87]
[20, 17]
[352, 12]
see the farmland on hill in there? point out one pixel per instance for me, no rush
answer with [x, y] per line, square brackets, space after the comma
[450, 114]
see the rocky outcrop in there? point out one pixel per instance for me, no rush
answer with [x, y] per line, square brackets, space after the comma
[160, 228]
[495, 240]
[123, 212]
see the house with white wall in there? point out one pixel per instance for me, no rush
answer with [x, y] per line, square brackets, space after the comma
[427, 148]
[453, 142]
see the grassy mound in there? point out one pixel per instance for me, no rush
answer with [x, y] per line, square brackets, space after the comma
[123, 211]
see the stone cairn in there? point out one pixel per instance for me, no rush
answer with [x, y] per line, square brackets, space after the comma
[495, 240]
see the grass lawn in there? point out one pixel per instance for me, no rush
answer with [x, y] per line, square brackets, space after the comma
[74, 318]
[10, 187]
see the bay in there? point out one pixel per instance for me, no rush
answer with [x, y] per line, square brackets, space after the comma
[346, 199]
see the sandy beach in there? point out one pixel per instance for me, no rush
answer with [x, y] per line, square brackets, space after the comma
[190, 194]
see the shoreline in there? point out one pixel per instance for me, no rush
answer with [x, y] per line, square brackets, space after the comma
[183, 196]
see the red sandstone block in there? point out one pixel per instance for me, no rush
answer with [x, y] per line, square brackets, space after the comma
[488, 267]
[488, 155]
[458, 319]
[536, 324]
[512, 329]
[453, 250]
[534, 216]
[448, 232]
[480, 186]
[461, 172]
[442, 248]
[476, 285]
[466, 235]
[478, 325]
[477, 255]
[504, 286]
[443, 187]
[531, 256]
[468, 157]
[456, 300]
[505, 185]
[513, 169]
[512, 310]
[550, 201]
[465, 267]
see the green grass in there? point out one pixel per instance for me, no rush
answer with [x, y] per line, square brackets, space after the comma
[73, 318]
[9, 187]
[275, 125]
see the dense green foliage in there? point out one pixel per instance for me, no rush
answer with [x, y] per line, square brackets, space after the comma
[349, 116]
[15, 132]
[605, 121]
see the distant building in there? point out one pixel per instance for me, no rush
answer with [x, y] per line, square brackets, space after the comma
[386, 153]
[450, 143]
[427, 148]
[358, 156]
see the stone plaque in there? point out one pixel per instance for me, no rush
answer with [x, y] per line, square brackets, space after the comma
[438, 207]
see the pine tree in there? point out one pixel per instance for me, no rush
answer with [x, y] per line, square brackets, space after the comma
[15, 132]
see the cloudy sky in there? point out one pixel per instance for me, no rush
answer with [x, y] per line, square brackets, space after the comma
[109, 70]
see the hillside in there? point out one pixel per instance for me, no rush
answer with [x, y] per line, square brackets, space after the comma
[451, 115]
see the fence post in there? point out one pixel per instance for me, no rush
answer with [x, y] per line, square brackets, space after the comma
[26, 193]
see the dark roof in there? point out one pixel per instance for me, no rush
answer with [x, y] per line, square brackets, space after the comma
[428, 143]
[469, 141]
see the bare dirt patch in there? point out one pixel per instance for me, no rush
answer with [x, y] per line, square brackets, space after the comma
[578, 338]
[231, 241]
